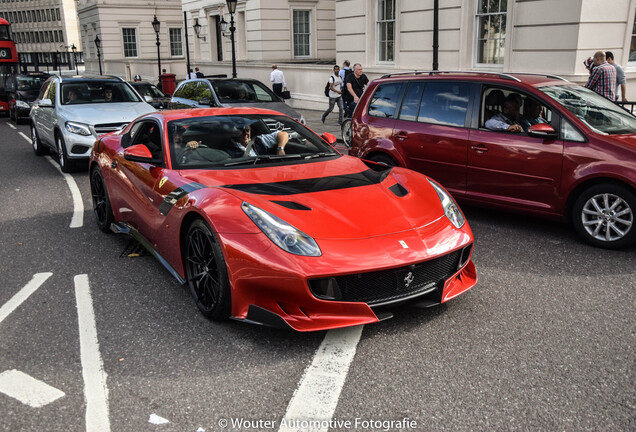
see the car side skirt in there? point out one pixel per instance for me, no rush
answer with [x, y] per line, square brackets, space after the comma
[124, 228]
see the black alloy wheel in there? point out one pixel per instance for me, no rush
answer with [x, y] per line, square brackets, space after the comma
[604, 216]
[206, 272]
[101, 203]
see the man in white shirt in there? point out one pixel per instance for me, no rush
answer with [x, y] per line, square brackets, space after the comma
[191, 75]
[278, 81]
[335, 95]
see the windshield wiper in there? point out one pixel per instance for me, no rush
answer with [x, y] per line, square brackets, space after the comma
[258, 159]
[321, 154]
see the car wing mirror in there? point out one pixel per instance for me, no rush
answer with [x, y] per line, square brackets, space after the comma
[45, 103]
[140, 153]
[542, 130]
[329, 137]
[148, 98]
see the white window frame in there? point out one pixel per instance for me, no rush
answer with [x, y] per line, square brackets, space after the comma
[378, 30]
[123, 42]
[173, 42]
[476, 60]
[308, 34]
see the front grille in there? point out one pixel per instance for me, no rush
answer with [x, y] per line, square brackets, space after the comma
[375, 288]
[101, 129]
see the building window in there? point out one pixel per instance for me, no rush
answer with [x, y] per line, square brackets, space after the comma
[301, 33]
[386, 30]
[57, 13]
[130, 42]
[491, 31]
[176, 47]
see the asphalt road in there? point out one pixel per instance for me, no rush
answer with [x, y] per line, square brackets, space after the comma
[545, 341]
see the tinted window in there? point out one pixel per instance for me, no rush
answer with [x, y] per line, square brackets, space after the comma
[444, 103]
[235, 91]
[411, 104]
[189, 90]
[94, 91]
[385, 100]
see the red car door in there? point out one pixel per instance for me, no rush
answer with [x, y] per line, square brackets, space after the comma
[515, 169]
[136, 182]
[432, 131]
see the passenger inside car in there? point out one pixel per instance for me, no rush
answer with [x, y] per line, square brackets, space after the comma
[507, 120]
[532, 114]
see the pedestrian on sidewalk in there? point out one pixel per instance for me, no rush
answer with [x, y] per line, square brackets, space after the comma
[335, 95]
[278, 81]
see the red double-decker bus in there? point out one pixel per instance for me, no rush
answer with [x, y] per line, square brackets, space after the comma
[8, 61]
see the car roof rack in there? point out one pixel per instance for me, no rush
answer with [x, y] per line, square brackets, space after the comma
[501, 75]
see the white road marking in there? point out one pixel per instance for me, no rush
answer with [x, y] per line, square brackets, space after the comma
[23, 294]
[11, 125]
[27, 389]
[77, 221]
[28, 138]
[95, 389]
[155, 419]
[319, 390]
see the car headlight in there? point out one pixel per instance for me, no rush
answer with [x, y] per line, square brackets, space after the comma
[451, 210]
[22, 104]
[78, 128]
[285, 236]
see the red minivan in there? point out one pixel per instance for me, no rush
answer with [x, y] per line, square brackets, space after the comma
[574, 157]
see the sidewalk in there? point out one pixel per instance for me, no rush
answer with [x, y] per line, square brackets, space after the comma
[312, 117]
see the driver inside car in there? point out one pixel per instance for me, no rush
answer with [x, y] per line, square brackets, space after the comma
[268, 143]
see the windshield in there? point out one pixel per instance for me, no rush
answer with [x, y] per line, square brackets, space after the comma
[148, 90]
[30, 82]
[88, 92]
[235, 91]
[592, 109]
[231, 141]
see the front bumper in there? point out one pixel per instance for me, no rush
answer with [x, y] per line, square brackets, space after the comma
[273, 287]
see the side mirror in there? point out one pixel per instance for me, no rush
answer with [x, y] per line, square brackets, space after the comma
[45, 103]
[329, 137]
[148, 99]
[205, 101]
[140, 153]
[542, 130]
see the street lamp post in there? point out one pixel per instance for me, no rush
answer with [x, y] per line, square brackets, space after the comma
[99, 55]
[156, 25]
[231, 6]
[74, 49]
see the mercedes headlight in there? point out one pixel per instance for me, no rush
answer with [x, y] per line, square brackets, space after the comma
[78, 128]
[22, 104]
[281, 233]
[451, 210]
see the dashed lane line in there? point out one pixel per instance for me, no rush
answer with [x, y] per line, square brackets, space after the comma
[95, 389]
[319, 390]
[28, 390]
[15, 301]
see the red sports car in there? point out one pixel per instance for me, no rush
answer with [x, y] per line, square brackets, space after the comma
[268, 223]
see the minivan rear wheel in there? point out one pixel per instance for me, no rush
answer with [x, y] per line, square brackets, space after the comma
[604, 216]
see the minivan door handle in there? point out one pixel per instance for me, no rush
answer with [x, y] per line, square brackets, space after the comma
[479, 148]
[401, 135]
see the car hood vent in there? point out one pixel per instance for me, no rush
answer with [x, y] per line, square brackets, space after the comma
[399, 190]
[292, 205]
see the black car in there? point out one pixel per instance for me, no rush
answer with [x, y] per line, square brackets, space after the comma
[22, 90]
[144, 88]
[229, 92]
